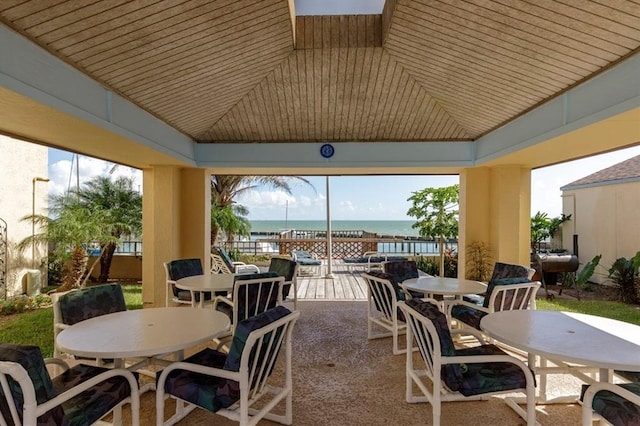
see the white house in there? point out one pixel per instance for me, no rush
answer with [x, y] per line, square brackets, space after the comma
[604, 210]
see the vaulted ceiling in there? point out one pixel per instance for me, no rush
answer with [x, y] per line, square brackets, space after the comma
[250, 71]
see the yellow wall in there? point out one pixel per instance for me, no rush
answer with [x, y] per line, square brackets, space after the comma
[605, 218]
[123, 267]
[495, 209]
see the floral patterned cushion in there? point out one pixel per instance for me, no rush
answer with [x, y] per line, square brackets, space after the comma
[89, 302]
[614, 408]
[30, 358]
[480, 378]
[505, 281]
[201, 389]
[509, 270]
[632, 376]
[182, 268]
[468, 315]
[285, 268]
[89, 406]
[215, 393]
[259, 301]
[401, 269]
[84, 409]
[391, 278]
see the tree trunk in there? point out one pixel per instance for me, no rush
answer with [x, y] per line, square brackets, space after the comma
[105, 262]
[77, 268]
[215, 230]
[441, 256]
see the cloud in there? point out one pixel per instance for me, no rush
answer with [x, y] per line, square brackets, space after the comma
[274, 204]
[64, 173]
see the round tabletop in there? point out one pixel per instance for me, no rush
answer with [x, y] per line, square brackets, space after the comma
[209, 282]
[444, 286]
[142, 332]
[571, 337]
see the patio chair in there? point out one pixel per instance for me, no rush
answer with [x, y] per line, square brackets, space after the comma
[502, 270]
[230, 384]
[458, 374]
[403, 270]
[383, 294]
[80, 304]
[288, 269]
[618, 404]
[221, 263]
[369, 261]
[503, 294]
[178, 269]
[308, 262]
[252, 295]
[80, 395]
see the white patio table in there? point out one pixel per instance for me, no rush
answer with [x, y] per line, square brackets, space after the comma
[207, 283]
[571, 341]
[148, 333]
[444, 286]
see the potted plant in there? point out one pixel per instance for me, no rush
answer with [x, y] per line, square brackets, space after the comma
[479, 262]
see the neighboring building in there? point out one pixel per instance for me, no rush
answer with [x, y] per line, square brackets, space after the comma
[604, 210]
[20, 164]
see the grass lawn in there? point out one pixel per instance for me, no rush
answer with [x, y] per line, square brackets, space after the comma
[36, 327]
[615, 310]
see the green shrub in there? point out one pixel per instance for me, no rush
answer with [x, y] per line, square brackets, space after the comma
[624, 273]
[428, 264]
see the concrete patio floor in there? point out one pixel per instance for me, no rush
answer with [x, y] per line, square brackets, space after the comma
[341, 378]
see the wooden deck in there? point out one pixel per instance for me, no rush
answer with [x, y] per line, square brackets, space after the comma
[344, 286]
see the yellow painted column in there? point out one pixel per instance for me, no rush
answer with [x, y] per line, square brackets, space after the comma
[176, 222]
[511, 214]
[474, 210]
[195, 215]
[160, 230]
[495, 209]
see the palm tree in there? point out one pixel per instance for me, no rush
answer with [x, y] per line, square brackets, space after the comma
[225, 188]
[69, 228]
[232, 220]
[122, 209]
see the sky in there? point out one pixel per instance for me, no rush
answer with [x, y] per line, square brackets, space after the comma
[352, 197]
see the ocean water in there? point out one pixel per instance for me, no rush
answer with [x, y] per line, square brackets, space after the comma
[380, 227]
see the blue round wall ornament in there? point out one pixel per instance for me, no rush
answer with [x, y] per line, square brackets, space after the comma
[327, 150]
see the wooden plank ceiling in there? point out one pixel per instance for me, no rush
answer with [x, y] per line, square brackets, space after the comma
[424, 70]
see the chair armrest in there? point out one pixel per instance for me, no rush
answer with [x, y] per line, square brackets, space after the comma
[243, 268]
[452, 303]
[589, 394]
[476, 359]
[57, 362]
[197, 368]
[88, 384]
[481, 338]
[222, 299]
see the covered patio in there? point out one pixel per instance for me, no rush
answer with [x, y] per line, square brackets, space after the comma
[488, 91]
[183, 90]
